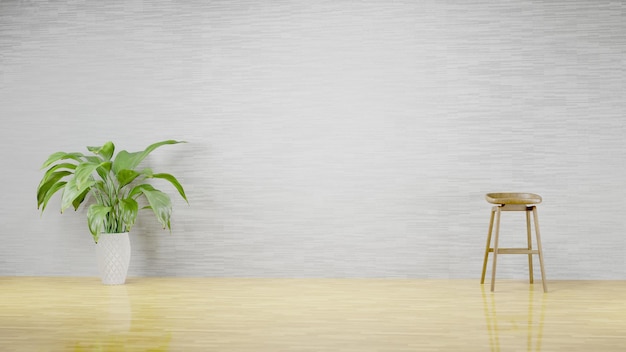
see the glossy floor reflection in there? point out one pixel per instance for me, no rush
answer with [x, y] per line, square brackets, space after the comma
[181, 314]
[501, 319]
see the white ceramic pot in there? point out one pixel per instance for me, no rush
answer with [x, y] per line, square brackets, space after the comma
[113, 252]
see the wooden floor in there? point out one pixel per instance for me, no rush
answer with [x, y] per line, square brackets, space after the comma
[180, 314]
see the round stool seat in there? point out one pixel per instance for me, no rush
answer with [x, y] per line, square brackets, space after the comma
[513, 198]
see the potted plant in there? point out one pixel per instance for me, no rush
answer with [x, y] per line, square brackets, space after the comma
[115, 186]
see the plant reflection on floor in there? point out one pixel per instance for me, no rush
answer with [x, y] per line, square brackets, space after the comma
[125, 326]
[505, 320]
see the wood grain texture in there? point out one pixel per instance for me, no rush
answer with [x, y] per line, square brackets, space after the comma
[327, 138]
[183, 314]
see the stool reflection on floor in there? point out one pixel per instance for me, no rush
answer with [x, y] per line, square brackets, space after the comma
[513, 202]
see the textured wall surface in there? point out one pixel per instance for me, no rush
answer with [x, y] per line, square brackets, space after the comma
[326, 138]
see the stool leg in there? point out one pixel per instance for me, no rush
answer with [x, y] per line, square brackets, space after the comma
[482, 277]
[540, 250]
[530, 246]
[495, 250]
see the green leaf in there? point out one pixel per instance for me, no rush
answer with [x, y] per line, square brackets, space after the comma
[174, 182]
[126, 160]
[139, 188]
[106, 151]
[79, 200]
[96, 216]
[104, 169]
[54, 168]
[147, 172]
[61, 156]
[51, 177]
[94, 159]
[129, 209]
[49, 193]
[160, 203]
[72, 192]
[84, 173]
[50, 181]
[126, 176]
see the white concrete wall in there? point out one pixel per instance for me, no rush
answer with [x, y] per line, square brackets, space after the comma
[327, 138]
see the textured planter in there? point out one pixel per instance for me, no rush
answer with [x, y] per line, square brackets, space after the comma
[113, 253]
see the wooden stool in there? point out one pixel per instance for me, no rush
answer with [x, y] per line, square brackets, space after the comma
[513, 202]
